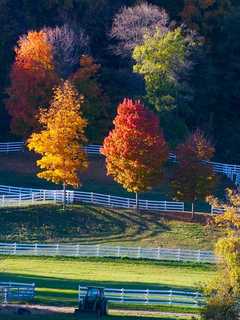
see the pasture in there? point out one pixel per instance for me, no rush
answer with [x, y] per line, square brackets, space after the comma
[57, 279]
[85, 224]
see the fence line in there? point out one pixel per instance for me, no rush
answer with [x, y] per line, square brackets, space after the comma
[17, 196]
[24, 196]
[157, 297]
[230, 170]
[15, 291]
[77, 250]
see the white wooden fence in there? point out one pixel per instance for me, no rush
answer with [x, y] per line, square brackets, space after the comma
[150, 297]
[230, 170]
[77, 250]
[15, 291]
[10, 196]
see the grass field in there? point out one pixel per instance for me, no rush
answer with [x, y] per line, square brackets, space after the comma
[88, 224]
[57, 279]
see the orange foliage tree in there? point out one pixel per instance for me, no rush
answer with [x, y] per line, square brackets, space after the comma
[135, 149]
[62, 138]
[194, 178]
[32, 79]
[95, 105]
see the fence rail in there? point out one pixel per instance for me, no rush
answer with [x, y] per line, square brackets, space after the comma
[159, 297]
[230, 170]
[24, 196]
[15, 291]
[76, 250]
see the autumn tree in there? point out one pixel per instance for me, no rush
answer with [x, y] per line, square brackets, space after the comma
[205, 15]
[67, 47]
[161, 60]
[194, 178]
[224, 292]
[60, 143]
[95, 107]
[135, 149]
[130, 25]
[32, 79]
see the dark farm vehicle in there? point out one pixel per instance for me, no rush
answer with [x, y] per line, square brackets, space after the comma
[94, 301]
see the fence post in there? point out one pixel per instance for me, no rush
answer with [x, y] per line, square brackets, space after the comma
[92, 197]
[199, 256]
[3, 198]
[98, 250]
[147, 296]
[196, 299]
[146, 204]
[77, 250]
[5, 295]
[15, 248]
[57, 249]
[55, 196]
[170, 297]
[139, 252]
[128, 203]
[118, 251]
[32, 198]
[109, 201]
[36, 249]
[79, 293]
[179, 255]
[19, 199]
[159, 253]
[122, 295]
[165, 205]
[44, 195]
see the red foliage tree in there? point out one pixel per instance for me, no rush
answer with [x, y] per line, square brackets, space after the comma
[135, 149]
[194, 178]
[32, 79]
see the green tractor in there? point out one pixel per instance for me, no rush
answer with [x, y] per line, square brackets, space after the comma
[94, 301]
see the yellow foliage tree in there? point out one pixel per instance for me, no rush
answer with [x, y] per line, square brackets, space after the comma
[224, 292]
[62, 138]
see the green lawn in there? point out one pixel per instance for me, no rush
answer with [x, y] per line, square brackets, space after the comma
[89, 224]
[57, 279]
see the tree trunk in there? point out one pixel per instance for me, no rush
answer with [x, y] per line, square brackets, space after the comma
[136, 201]
[64, 196]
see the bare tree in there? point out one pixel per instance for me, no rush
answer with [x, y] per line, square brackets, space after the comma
[68, 45]
[132, 23]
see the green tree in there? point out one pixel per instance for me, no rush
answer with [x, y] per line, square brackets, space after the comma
[161, 60]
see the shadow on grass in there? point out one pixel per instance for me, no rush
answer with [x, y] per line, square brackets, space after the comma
[60, 291]
[85, 224]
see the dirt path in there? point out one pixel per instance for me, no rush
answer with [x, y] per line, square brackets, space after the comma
[48, 310]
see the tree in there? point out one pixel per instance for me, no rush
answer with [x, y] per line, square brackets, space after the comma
[67, 46]
[223, 295]
[32, 79]
[161, 60]
[132, 23]
[205, 15]
[60, 143]
[135, 149]
[193, 178]
[95, 105]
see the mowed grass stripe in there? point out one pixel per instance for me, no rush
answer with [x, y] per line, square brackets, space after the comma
[57, 279]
